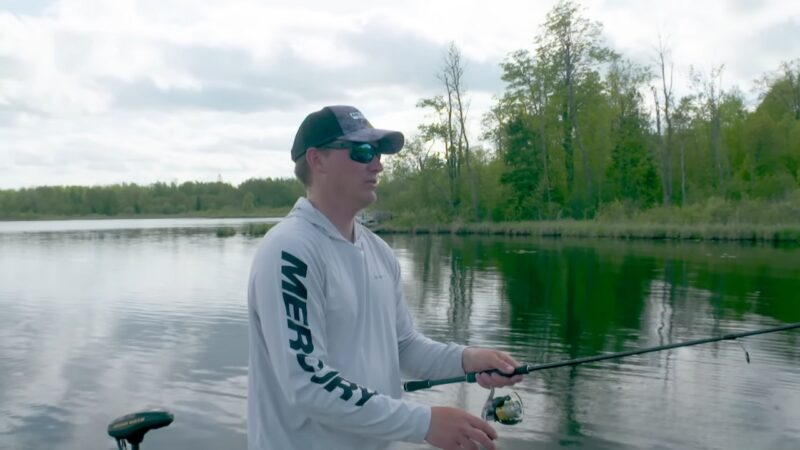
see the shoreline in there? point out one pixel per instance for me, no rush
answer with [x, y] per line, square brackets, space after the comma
[736, 232]
[601, 230]
[270, 213]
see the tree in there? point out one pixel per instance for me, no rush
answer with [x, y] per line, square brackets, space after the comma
[529, 90]
[780, 91]
[157, 199]
[664, 104]
[452, 75]
[248, 202]
[450, 127]
[710, 97]
[523, 168]
[571, 48]
[441, 129]
[684, 114]
[632, 174]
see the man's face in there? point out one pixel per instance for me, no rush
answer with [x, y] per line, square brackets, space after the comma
[352, 182]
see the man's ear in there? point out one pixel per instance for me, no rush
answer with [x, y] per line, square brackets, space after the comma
[316, 160]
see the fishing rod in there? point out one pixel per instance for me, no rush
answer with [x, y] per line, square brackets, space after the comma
[412, 386]
[507, 410]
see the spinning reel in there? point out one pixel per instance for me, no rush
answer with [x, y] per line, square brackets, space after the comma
[507, 410]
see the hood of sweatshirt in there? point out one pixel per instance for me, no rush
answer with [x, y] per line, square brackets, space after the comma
[304, 209]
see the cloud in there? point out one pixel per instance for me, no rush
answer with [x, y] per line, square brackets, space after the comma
[285, 77]
[402, 58]
[747, 5]
[734, 33]
[10, 67]
[164, 89]
[218, 97]
[27, 7]
[232, 79]
[763, 49]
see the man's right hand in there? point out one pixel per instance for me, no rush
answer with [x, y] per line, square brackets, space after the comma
[456, 429]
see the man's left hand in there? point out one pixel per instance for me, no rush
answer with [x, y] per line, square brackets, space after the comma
[476, 359]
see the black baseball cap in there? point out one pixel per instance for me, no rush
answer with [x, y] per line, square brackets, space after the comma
[342, 123]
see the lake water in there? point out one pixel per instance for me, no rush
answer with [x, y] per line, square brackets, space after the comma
[101, 318]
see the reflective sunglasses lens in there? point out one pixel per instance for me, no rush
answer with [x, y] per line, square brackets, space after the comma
[363, 153]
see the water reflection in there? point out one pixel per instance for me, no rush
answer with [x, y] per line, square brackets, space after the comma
[552, 300]
[100, 322]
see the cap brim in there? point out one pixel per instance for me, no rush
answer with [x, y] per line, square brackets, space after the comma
[388, 141]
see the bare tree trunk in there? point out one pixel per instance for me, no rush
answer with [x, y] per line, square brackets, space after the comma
[716, 147]
[683, 172]
[546, 158]
[585, 159]
[453, 77]
[712, 94]
[538, 106]
[715, 98]
[462, 119]
[666, 86]
[660, 148]
[791, 71]
[452, 152]
[566, 117]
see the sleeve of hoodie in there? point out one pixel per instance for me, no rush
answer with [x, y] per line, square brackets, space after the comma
[420, 356]
[287, 284]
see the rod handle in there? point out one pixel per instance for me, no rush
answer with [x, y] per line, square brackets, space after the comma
[411, 386]
[521, 370]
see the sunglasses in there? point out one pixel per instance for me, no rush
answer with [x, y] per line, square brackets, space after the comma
[360, 152]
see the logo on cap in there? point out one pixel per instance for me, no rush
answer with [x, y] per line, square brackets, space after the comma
[356, 115]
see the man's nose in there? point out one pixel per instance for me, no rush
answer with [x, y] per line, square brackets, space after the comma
[375, 165]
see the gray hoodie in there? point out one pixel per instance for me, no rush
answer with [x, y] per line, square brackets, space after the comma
[330, 333]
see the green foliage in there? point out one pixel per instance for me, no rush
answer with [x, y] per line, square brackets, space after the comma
[226, 232]
[523, 168]
[159, 199]
[574, 137]
[257, 229]
[632, 175]
[714, 210]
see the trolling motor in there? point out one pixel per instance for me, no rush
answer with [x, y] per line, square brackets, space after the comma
[132, 427]
[507, 410]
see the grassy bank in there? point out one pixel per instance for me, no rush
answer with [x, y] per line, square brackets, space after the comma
[714, 219]
[596, 229]
[250, 230]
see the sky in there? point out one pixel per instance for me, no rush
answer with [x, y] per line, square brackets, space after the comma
[96, 92]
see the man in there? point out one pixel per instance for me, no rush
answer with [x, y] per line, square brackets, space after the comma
[330, 331]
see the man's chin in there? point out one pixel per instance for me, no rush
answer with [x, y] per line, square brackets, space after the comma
[368, 198]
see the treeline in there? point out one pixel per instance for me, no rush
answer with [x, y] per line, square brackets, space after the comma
[580, 131]
[159, 199]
